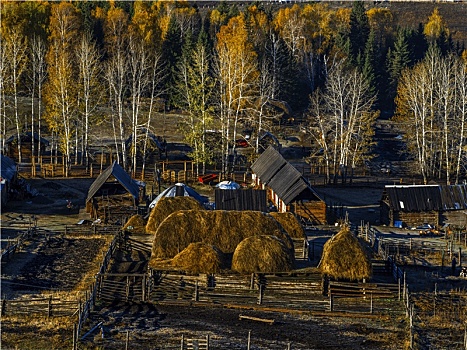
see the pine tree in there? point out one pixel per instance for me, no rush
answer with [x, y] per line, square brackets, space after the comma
[359, 32]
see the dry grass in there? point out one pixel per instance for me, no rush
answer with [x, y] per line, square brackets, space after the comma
[196, 258]
[262, 254]
[345, 258]
[167, 206]
[290, 224]
[135, 224]
[223, 229]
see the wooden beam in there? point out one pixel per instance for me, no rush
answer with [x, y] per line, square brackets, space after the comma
[251, 318]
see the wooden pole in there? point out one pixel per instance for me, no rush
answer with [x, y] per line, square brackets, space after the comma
[74, 336]
[371, 303]
[127, 340]
[49, 307]
[183, 337]
[460, 257]
[249, 340]
[207, 342]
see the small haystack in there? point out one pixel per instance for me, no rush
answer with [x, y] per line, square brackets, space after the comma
[197, 258]
[168, 205]
[345, 258]
[262, 254]
[221, 228]
[290, 224]
[135, 224]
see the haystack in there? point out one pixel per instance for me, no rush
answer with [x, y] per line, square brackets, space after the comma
[345, 258]
[135, 224]
[290, 224]
[223, 229]
[262, 254]
[196, 258]
[168, 205]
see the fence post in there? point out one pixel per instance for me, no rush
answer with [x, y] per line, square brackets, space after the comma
[399, 288]
[74, 336]
[207, 342]
[249, 340]
[127, 339]
[196, 292]
[252, 281]
[3, 306]
[331, 302]
[371, 303]
[49, 307]
[183, 340]
[260, 297]
[460, 257]
[404, 290]
[304, 249]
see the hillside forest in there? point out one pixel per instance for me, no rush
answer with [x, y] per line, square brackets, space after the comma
[107, 68]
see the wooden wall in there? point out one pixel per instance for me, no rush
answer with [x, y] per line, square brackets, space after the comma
[314, 211]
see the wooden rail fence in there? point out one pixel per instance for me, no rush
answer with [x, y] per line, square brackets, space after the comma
[50, 307]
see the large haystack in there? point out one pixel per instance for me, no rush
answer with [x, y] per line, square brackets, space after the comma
[345, 258]
[290, 224]
[262, 254]
[135, 224]
[223, 229]
[168, 205]
[196, 258]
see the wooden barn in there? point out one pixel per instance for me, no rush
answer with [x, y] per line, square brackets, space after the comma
[241, 199]
[415, 205]
[114, 195]
[286, 188]
[11, 146]
[8, 176]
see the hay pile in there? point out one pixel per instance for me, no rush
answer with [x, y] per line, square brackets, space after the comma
[135, 224]
[222, 229]
[168, 205]
[197, 258]
[345, 258]
[290, 224]
[262, 254]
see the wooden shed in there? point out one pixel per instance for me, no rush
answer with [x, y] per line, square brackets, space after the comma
[114, 195]
[26, 140]
[241, 199]
[414, 205]
[287, 189]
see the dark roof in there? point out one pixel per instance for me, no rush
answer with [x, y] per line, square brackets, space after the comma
[27, 136]
[7, 167]
[286, 181]
[419, 198]
[161, 144]
[120, 175]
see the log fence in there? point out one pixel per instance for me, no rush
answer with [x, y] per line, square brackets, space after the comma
[49, 307]
[13, 245]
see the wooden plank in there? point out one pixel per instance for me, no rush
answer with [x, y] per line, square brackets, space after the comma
[257, 319]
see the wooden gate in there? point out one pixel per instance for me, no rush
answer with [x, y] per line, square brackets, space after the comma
[123, 287]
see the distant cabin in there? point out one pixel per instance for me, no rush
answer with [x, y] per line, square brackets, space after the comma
[11, 146]
[414, 205]
[286, 188]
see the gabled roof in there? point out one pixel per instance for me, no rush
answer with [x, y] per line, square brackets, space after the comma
[421, 198]
[286, 181]
[7, 168]
[120, 175]
[179, 190]
[27, 136]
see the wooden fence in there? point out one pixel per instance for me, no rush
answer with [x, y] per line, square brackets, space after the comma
[16, 244]
[50, 307]
[88, 305]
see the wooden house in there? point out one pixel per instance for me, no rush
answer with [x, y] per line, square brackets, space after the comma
[8, 176]
[11, 146]
[287, 189]
[114, 195]
[415, 205]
